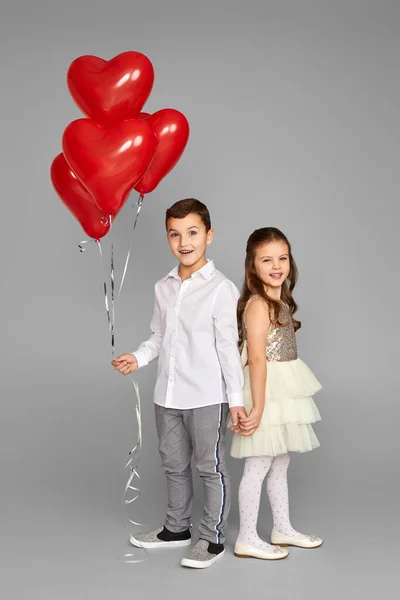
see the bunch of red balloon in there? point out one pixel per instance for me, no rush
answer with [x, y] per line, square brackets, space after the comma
[117, 148]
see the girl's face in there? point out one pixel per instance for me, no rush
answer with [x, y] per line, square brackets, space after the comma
[272, 263]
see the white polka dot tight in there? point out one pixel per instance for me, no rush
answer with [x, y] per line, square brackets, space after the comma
[256, 468]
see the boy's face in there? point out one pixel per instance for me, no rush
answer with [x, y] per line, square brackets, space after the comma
[188, 239]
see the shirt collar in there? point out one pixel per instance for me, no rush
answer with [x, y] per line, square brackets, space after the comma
[205, 271]
[173, 273]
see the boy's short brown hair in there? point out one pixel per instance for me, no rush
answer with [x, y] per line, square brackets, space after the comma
[183, 208]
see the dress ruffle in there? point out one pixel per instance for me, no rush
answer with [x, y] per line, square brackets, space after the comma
[277, 439]
[288, 414]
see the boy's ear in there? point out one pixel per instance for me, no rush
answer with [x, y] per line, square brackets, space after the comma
[210, 237]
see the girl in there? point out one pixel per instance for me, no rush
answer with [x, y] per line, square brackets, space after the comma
[278, 389]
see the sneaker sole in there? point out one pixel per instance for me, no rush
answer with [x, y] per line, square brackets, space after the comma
[160, 544]
[201, 564]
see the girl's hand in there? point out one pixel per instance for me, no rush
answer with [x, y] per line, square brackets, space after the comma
[249, 425]
[125, 363]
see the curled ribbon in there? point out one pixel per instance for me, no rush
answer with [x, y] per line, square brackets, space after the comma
[139, 554]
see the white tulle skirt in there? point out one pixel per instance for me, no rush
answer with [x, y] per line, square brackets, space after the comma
[286, 424]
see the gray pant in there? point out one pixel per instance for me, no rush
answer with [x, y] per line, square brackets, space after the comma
[199, 432]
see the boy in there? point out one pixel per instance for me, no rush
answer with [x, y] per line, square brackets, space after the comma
[199, 376]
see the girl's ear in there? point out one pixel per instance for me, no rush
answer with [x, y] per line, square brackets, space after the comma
[210, 237]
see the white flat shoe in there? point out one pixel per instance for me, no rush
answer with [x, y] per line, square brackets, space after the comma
[243, 550]
[311, 541]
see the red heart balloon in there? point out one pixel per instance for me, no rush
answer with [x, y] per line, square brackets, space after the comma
[111, 91]
[77, 199]
[171, 129]
[109, 162]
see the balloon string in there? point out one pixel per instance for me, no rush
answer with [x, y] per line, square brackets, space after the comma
[110, 313]
[112, 282]
[139, 206]
[82, 244]
[131, 491]
[134, 453]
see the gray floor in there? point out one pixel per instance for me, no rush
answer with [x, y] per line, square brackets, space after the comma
[63, 537]
[58, 553]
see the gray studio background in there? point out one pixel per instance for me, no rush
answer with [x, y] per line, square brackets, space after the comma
[294, 113]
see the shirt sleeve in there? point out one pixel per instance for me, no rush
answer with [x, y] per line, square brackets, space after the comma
[226, 337]
[150, 349]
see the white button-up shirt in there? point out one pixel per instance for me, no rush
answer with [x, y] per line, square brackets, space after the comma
[195, 338]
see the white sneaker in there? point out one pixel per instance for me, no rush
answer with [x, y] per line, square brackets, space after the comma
[202, 555]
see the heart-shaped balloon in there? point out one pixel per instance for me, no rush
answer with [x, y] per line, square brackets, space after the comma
[171, 129]
[109, 162]
[111, 91]
[77, 199]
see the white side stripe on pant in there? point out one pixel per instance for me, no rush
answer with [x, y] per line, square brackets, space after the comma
[221, 477]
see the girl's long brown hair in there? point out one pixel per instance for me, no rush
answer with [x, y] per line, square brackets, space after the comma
[253, 285]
